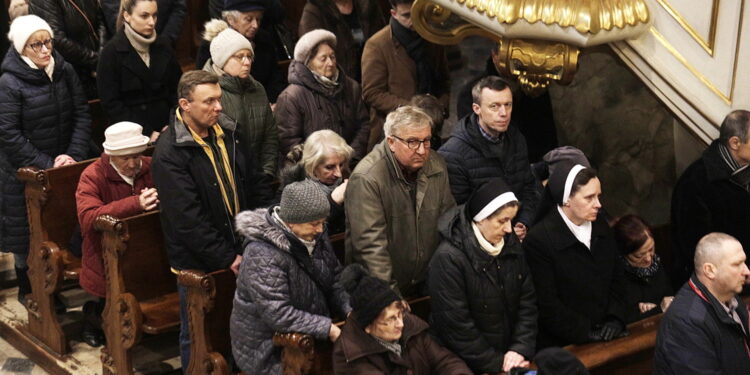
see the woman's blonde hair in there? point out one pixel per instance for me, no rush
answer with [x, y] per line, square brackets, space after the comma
[126, 6]
[320, 145]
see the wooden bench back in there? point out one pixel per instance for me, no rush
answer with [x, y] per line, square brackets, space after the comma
[51, 202]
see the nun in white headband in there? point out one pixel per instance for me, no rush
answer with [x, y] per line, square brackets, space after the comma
[574, 261]
[483, 304]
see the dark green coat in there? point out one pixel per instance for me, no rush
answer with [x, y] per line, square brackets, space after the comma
[245, 101]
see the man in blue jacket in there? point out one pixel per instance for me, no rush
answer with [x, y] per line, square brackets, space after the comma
[705, 330]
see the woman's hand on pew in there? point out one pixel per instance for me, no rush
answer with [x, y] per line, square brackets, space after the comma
[235, 267]
[512, 359]
[148, 199]
[665, 302]
[646, 306]
[62, 159]
[334, 332]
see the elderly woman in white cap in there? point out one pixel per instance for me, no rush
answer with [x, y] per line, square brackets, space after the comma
[321, 96]
[483, 299]
[288, 280]
[118, 184]
[242, 97]
[575, 263]
[44, 123]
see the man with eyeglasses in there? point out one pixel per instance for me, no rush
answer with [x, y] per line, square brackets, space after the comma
[486, 145]
[394, 199]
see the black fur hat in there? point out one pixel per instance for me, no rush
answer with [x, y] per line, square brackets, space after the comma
[368, 295]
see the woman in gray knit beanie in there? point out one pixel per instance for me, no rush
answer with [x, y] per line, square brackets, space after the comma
[288, 280]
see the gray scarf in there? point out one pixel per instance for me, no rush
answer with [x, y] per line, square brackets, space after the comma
[392, 346]
[740, 175]
[141, 44]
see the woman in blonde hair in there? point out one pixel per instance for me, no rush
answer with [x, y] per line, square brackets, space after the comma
[324, 159]
[138, 73]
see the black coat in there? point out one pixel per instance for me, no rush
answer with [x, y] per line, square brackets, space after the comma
[198, 228]
[265, 68]
[131, 91]
[79, 31]
[697, 337]
[481, 306]
[39, 120]
[473, 160]
[577, 288]
[169, 18]
[651, 290]
[705, 200]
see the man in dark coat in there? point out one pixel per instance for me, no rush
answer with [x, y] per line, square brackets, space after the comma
[201, 174]
[485, 145]
[245, 16]
[705, 330]
[713, 194]
[574, 260]
[168, 21]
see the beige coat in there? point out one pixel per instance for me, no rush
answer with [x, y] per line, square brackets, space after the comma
[385, 230]
[389, 78]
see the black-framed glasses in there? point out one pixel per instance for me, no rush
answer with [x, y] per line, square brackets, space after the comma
[413, 144]
[37, 46]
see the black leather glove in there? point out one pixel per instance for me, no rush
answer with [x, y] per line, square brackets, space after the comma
[595, 334]
[611, 329]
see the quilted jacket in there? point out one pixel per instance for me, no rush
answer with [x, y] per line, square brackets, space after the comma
[39, 119]
[281, 288]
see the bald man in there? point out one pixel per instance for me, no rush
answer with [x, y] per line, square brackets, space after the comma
[705, 330]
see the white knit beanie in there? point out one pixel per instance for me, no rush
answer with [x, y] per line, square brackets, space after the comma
[22, 28]
[225, 41]
[307, 42]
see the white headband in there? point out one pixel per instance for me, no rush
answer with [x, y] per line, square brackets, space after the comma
[496, 203]
[569, 181]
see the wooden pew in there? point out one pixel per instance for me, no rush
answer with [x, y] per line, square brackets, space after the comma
[210, 299]
[141, 289]
[51, 208]
[303, 355]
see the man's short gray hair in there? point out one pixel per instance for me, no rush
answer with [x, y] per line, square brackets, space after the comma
[403, 117]
[710, 249]
[736, 124]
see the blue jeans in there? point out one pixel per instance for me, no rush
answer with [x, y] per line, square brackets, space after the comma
[184, 329]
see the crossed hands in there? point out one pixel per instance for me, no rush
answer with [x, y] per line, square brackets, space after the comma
[148, 199]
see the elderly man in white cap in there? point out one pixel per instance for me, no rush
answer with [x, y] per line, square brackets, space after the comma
[118, 184]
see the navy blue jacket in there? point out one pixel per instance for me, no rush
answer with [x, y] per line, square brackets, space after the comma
[39, 119]
[697, 336]
[473, 160]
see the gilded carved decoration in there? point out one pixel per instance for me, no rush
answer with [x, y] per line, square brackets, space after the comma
[538, 40]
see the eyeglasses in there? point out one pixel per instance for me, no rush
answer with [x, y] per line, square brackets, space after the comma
[414, 144]
[241, 58]
[37, 46]
[392, 321]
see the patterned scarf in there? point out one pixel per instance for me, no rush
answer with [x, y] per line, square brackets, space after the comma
[643, 273]
[740, 175]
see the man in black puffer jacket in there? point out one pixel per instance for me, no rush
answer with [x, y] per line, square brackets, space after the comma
[485, 145]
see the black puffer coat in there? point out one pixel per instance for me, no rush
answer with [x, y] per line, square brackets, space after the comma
[306, 106]
[39, 119]
[276, 294]
[473, 160]
[79, 33]
[482, 306]
[131, 91]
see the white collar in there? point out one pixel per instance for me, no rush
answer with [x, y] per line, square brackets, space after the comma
[581, 232]
[491, 249]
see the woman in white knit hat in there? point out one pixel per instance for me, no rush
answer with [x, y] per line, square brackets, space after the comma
[44, 122]
[321, 96]
[242, 97]
[138, 72]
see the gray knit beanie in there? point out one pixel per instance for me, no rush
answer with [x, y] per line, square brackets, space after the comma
[303, 202]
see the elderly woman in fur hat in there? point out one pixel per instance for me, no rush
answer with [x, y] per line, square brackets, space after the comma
[321, 96]
[242, 97]
[288, 279]
[381, 336]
